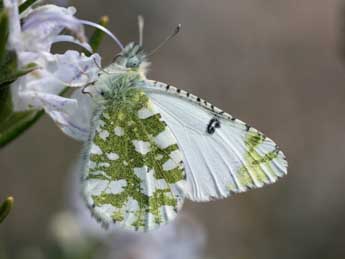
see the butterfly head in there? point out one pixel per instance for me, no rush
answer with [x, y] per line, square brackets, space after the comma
[131, 63]
[132, 57]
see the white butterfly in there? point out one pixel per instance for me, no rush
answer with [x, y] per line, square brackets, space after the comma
[150, 145]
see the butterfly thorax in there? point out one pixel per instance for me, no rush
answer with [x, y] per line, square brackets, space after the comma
[127, 71]
[132, 57]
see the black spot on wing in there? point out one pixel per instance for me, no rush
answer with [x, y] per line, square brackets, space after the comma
[213, 124]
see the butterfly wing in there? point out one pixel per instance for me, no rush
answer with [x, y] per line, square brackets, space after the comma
[133, 166]
[222, 155]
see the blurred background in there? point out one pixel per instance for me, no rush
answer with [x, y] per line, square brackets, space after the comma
[278, 65]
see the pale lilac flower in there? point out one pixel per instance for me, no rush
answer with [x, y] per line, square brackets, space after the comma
[32, 35]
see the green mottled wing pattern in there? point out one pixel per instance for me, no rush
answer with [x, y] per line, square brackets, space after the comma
[260, 161]
[134, 170]
[222, 155]
[263, 162]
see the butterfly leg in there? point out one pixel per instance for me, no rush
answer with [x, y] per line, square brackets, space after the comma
[83, 90]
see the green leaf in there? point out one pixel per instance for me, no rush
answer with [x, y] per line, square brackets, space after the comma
[13, 124]
[8, 67]
[97, 36]
[3, 34]
[26, 5]
[9, 71]
[16, 124]
[5, 208]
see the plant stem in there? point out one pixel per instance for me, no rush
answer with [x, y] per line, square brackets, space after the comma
[26, 5]
[5, 208]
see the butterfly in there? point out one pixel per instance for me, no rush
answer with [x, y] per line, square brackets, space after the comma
[152, 145]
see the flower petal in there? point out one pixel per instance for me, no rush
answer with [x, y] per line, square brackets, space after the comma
[68, 38]
[57, 72]
[77, 70]
[48, 101]
[31, 36]
[75, 121]
[43, 24]
[25, 91]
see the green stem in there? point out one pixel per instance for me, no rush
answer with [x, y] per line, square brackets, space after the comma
[26, 5]
[5, 208]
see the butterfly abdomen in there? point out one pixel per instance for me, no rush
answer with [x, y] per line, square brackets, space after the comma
[134, 170]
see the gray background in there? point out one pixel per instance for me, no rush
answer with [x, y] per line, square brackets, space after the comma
[276, 64]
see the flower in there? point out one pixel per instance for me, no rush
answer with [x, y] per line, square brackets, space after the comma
[31, 36]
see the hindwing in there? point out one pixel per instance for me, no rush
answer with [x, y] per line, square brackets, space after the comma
[134, 171]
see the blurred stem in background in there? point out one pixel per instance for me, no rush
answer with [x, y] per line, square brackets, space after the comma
[13, 124]
[5, 208]
[97, 37]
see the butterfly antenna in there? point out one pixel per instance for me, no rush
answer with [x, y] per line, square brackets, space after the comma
[141, 29]
[105, 30]
[175, 32]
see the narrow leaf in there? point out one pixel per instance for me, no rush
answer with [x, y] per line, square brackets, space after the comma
[9, 71]
[13, 124]
[8, 67]
[26, 5]
[3, 34]
[16, 124]
[5, 208]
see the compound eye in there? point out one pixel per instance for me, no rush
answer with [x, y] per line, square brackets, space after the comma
[132, 63]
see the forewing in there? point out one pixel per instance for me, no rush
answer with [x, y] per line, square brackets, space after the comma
[222, 155]
[133, 167]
